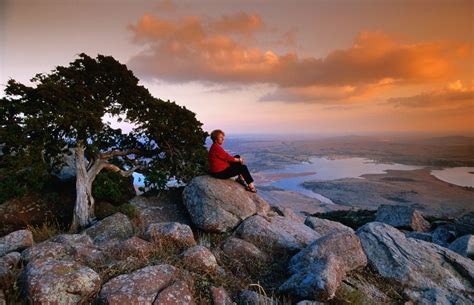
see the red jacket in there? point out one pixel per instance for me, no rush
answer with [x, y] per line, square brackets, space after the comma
[218, 158]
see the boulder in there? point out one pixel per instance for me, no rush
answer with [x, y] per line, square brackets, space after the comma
[52, 281]
[135, 246]
[45, 250]
[276, 234]
[464, 245]
[402, 217]
[77, 247]
[465, 223]
[139, 287]
[419, 235]
[320, 268]
[319, 280]
[200, 259]
[325, 226]
[243, 251]
[167, 206]
[422, 267]
[178, 293]
[220, 205]
[220, 296]
[7, 263]
[287, 212]
[114, 226]
[444, 235]
[343, 244]
[15, 241]
[174, 232]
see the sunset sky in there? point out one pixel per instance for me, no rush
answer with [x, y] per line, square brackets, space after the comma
[325, 67]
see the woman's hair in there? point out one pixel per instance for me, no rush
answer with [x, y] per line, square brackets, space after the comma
[215, 133]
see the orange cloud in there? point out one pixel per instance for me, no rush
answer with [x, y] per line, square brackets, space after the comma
[206, 50]
[238, 23]
[454, 94]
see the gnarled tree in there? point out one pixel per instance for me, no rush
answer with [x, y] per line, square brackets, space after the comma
[68, 110]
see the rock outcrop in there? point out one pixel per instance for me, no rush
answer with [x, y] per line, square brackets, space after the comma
[145, 286]
[171, 232]
[243, 251]
[464, 246]
[402, 217]
[428, 271]
[465, 224]
[319, 269]
[276, 234]
[115, 226]
[324, 226]
[220, 205]
[15, 241]
[200, 259]
[50, 281]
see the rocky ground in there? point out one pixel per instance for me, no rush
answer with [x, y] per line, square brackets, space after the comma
[214, 243]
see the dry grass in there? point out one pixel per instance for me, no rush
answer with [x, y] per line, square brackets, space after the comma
[46, 230]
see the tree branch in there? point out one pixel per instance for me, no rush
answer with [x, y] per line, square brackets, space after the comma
[114, 153]
[115, 168]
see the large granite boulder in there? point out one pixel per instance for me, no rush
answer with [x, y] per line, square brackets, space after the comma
[176, 233]
[220, 205]
[7, 263]
[465, 224]
[464, 245]
[220, 296]
[16, 241]
[200, 259]
[114, 226]
[319, 269]
[426, 270]
[402, 217]
[287, 212]
[444, 235]
[144, 286]
[78, 247]
[344, 245]
[50, 281]
[243, 251]
[325, 226]
[167, 206]
[178, 293]
[318, 280]
[276, 234]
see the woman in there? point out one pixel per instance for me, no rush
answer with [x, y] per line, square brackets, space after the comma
[223, 166]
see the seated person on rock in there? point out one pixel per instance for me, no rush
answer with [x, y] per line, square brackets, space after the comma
[223, 166]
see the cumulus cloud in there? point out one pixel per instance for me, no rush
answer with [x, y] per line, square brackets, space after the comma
[454, 94]
[217, 50]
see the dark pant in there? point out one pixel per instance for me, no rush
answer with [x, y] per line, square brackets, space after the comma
[235, 168]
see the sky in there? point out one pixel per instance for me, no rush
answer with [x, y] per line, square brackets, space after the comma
[268, 67]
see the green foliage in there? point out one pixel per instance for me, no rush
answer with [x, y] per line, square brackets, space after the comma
[112, 187]
[350, 218]
[65, 109]
[22, 173]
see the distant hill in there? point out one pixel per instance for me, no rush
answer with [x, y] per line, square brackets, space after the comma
[449, 140]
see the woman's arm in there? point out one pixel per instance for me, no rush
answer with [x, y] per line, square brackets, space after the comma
[223, 155]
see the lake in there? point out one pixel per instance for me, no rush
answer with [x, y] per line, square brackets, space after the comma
[332, 169]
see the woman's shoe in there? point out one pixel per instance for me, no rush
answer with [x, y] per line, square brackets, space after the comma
[251, 189]
[241, 181]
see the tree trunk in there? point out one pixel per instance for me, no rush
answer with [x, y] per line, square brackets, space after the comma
[84, 207]
[85, 176]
